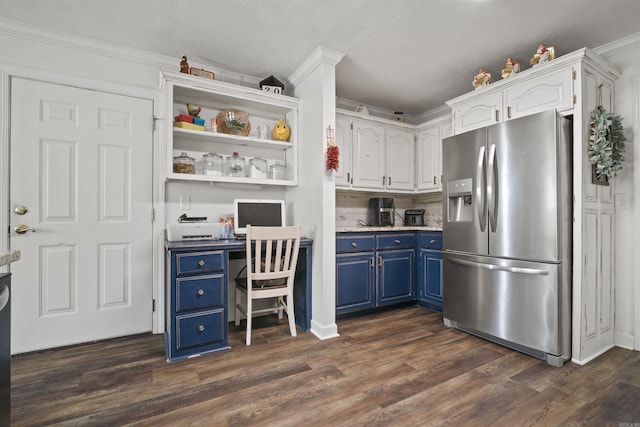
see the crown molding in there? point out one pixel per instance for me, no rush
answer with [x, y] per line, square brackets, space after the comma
[322, 55]
[24, 31]
[616, 47]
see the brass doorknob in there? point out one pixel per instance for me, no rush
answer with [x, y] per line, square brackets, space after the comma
[22, 228]
[21, 210]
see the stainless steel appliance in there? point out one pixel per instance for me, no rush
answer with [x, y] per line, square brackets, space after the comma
[381, 211]
[414, 217]
[507, 234]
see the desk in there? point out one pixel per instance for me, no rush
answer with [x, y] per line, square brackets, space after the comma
[197, 285]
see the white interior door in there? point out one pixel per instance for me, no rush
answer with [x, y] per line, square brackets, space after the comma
[81, 166]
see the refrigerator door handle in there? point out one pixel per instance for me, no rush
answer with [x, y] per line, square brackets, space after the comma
[519, 270]
[492, 189]
[480, 188]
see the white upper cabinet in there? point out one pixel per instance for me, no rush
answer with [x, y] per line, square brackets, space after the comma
[368, 155]
[429, 142]
[344, 174]
[550, 86]
[401, 153]
[375, 154]
[214, 96]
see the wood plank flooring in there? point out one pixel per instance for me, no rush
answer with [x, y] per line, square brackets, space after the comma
[396, 368]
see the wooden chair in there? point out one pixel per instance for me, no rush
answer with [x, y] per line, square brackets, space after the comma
[272, 256]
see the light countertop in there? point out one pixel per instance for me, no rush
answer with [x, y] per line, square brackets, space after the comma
[7, 257]
[365, 229]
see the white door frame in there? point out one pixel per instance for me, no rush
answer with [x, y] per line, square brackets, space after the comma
[636, 238]
[7, 71]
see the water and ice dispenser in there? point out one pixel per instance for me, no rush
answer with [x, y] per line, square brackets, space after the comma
[460, 200]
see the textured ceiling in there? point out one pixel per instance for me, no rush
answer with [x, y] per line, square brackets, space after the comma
[403, 55]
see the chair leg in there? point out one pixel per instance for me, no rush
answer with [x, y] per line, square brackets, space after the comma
[249, 317]
[279, 304]
[291, 315]
[238, 294]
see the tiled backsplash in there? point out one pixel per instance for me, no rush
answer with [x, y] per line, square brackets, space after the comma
[351, 207]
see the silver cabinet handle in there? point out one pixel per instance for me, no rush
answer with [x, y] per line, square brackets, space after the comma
[389, 181]
[354, 245]
[383, 179]
[397, 241]
[433, 242]
[508, 112]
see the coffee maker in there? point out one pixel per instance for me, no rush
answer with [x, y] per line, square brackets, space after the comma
[381, 211]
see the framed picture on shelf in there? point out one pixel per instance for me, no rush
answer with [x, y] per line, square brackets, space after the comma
[202, 73]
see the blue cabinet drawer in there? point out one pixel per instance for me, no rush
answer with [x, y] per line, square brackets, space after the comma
[200, 292]
[351, 243]
[430, 240]
[200, 262]
[395, 240]
[203, 328]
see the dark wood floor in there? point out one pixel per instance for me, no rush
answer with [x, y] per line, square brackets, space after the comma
[397, 368]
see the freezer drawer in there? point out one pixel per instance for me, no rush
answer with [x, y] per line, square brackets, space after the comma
[515, 301]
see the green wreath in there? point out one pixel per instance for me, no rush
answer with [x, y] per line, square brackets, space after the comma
[606, 143]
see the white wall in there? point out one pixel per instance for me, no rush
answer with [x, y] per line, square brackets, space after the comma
[625, 54]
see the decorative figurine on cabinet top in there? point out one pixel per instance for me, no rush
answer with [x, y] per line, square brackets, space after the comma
[281, 131]
[483, 78]
[511, 68]
[184, 65]
[542, 55]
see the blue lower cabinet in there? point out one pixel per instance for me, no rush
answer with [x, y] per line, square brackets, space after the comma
[374, 270]
[395, 276]
[355, 281]
[429, 280]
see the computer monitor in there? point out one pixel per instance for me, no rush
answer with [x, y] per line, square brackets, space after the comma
[262, 213]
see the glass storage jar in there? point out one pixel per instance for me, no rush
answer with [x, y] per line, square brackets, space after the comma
[236, 165]
[213, 164]
[184, 164]
[277, 171]
[258, 168]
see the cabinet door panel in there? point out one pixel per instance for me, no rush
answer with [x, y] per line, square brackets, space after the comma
[354, 282]
[368, 155]
[395, 276]
[429, 147]
[343, 141]
[401, 150]
[543, 93]
[481, 111]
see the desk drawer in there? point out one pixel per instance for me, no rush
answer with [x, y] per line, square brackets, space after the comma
[396, 241]
[352, 243]
[199, 292]
[200, 262]
[200, 329]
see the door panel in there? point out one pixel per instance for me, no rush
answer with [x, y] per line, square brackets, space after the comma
[526, 187]
[464, 208]
[86, 271]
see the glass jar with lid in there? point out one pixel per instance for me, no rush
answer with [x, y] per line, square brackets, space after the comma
[236, 165]
[184, 164]
[277, 171]
[213, 164]
[258, 168]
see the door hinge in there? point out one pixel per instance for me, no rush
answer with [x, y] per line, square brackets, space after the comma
[575, 74]
[575, 99]
[153, 305]
[153, 214]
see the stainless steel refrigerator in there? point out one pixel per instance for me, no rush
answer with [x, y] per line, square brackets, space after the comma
[507, 211]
